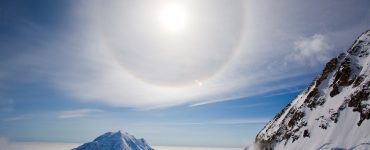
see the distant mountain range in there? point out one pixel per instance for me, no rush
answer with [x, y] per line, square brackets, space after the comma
[332, 113]
[115, 141]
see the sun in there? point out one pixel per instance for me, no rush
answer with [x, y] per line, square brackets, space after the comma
[199, 83]
[173, 17]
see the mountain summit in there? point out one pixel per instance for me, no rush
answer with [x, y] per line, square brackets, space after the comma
[332, 113]
[115, 141]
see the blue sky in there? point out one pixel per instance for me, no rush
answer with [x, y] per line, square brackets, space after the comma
[213, 74]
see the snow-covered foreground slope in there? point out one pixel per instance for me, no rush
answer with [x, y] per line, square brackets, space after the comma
[332, 113]
[115, 141]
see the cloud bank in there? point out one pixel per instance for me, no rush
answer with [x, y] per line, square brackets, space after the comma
[5, 144]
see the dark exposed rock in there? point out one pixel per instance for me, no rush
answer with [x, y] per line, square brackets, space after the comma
[356, 99]
[294, 138]
[323, 126]
[359, 96]
[343, 74]
[295, 118]
[334, 117]
[358, 81]
[356, 49]
[329, 67]
[312, 98]
[306, 133]
[341, 77]
[334, 91]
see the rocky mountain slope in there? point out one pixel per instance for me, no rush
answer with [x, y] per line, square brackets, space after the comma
[115, 141]
[332, 113]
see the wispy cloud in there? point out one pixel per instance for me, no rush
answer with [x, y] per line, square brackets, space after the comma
[17, 118]
[67, 114]
[78, 113]
[239, 121]
[312, 50]
[22, 117]
[95, 67]
[98, 62]
[256, 90]
[250, 105]
[285, 92]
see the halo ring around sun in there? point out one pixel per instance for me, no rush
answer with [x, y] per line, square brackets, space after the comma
[168, 61]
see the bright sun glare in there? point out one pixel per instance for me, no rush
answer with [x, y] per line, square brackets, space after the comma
[173, 17]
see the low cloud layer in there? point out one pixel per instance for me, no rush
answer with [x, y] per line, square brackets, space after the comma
[6, 144]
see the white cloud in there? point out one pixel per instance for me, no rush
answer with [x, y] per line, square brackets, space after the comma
[78, 113]
[312, 50]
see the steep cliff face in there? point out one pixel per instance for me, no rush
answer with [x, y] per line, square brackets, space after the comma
[115, 141]
[333, 112]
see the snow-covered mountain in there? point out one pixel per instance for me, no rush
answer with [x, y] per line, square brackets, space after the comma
[332, 113]
[115, 141]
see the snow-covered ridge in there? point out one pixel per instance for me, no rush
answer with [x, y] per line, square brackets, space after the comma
[115, 141]
[333, 112]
